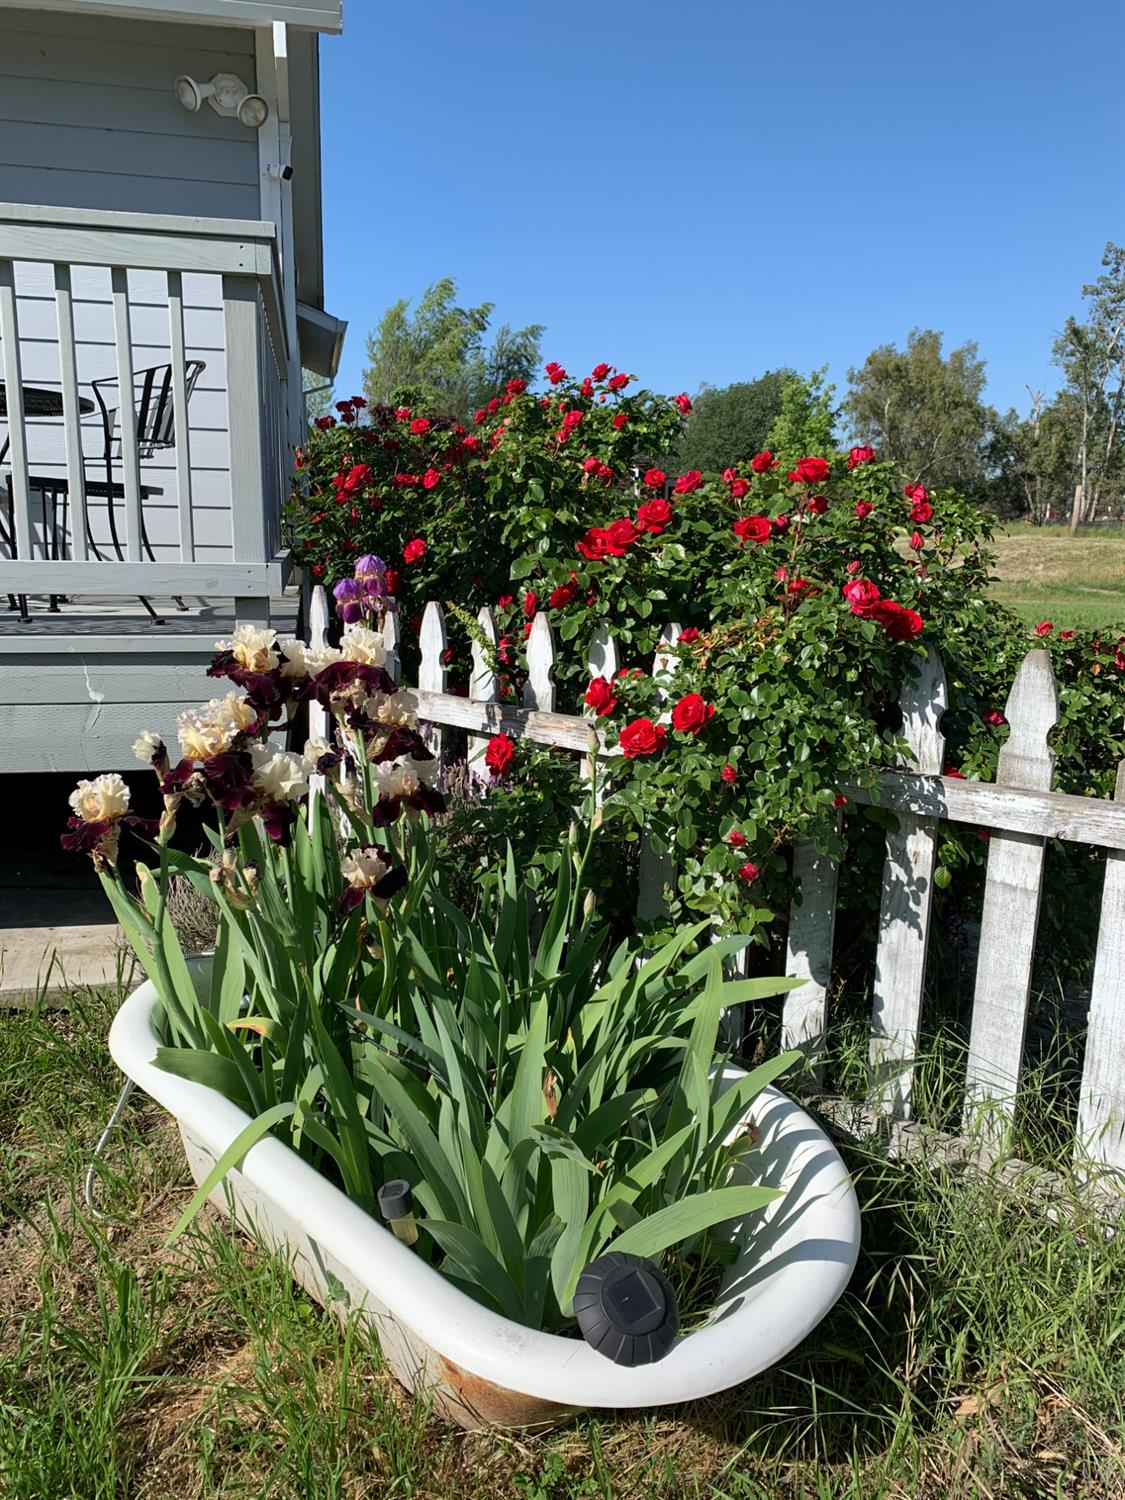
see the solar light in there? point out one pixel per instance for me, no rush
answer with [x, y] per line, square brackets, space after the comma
[396, 1204]
[626, 1309]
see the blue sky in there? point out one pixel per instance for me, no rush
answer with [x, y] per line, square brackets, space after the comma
[699, 192]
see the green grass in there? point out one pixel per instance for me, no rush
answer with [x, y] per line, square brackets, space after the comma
[980, 1350]
[1078, 582]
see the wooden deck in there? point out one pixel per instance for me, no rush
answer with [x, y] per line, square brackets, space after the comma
[77, 687]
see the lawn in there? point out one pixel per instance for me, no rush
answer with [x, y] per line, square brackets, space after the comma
[980, 1350]
[1078, 582]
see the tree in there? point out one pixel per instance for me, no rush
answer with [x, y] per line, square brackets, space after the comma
[1092, 358]
[806, 423]
[925, 411]
[439, 351]
[1030, 459]
[730, 424]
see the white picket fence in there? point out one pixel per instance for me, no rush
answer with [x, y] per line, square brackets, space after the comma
[1019, 809]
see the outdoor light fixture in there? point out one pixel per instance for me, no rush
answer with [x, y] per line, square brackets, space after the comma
[228, 96]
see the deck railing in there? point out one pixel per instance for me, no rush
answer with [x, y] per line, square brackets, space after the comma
[130, 291]
[1019, 810]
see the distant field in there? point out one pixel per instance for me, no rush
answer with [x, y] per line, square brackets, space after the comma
[1043, 573]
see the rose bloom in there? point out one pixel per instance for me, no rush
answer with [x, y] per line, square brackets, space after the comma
[641, 737]
[1044, 627]
[857, 456]
[430, 478]
[736, 838]
[530, 604]
[995, 718]
[618, 383]
[863, 508]
[324, 423]
[655, 478]
[594, 547]
[687, 482]
[748, 872]
[862, 596]
[1066, 635]
[900, 623]
[599, 696]
[420, 425]
[755, 529]
[780, 525]
[762, 462]
[516, 387]
[691, 713]
[618, 536]
[817, 505]
[916, 492]
[739, 488]
[653, 516]
[620, 420]
[917, 541]
[414, 551]
[562, 596]
[689, 636]
[810, 471]
[103, 800]
[500, 753]
[729, 774]
[921, 512]
[683, 401]
[600, 371]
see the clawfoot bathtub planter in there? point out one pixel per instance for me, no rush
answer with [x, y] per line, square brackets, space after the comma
[478, 1368]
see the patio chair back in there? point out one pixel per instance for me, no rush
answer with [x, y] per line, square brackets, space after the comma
[155, 409]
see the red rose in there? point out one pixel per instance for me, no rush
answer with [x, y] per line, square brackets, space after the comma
[500, 753]
[479, 416]
[471, 444]
[585, 389]
[995, 718]
[921, 512]
[900, 623]
[1044, 627]
[318, 570]
[617, 383]
[641, 737]
[563, 595]
[594, 547]
[655, 478]
[729, 774]
[863, 508]
[739, 488]
[1066, 635]
[505, 601]
[599, 697]
[810, 471]
[324, 423]
[917, 541]
[619, 535]
[653, 516]
[530, 604]
[420, 425]
[736, 838]
[755, 529]
[591, 465]
[683, 401]
[414, 551]
[620, 419]
[687, 482]
[817, 505]
[447, 656]
[748, 872]
[781, 524]
[392, 580]
[600, 371]
[915, 492]
[555, 372]
[857, 456]
[572, 420]
[514, 387]
[691, 713]
[403, 413]
[689, 636]
[840, 801]
[954, 772]
[430, 478]
[761, 462]
[862, 596]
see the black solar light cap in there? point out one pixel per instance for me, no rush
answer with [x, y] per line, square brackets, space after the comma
[395, 1199]
[626, 1309]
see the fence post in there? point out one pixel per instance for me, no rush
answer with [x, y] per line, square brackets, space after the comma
[904, 913]
[1013, 882]
[484, 687]
[657, 870]
[431, 670]
[808, 955]
[1100, 1133]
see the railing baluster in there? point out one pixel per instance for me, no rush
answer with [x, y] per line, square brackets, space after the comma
[1101, 1103]
[1013, 882]
[904, 914]
[72, 431]
[431, 670]
[180, 414]
[249, 502]
[484, 687]
[13, 395]
[127, 414]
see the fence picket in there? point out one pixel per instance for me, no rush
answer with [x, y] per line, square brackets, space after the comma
[484, 687]
[393, 663]
[657, 870]
[318, 715]
[1101, 1104]
[601, 661]
[539, 689]
[1013, 882]
[808, 955]
[904, 914]
[431, 671]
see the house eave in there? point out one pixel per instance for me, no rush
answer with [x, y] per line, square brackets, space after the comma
[311, 15]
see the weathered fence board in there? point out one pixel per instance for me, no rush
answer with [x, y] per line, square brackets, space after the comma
[431, 672]
[1013, 883]
[808, 956]
[484, 687]
[1101, 1105]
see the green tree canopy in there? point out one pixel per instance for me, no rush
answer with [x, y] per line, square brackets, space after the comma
[806, 421]
[731, 423]
[439, 351]
[924, 410]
